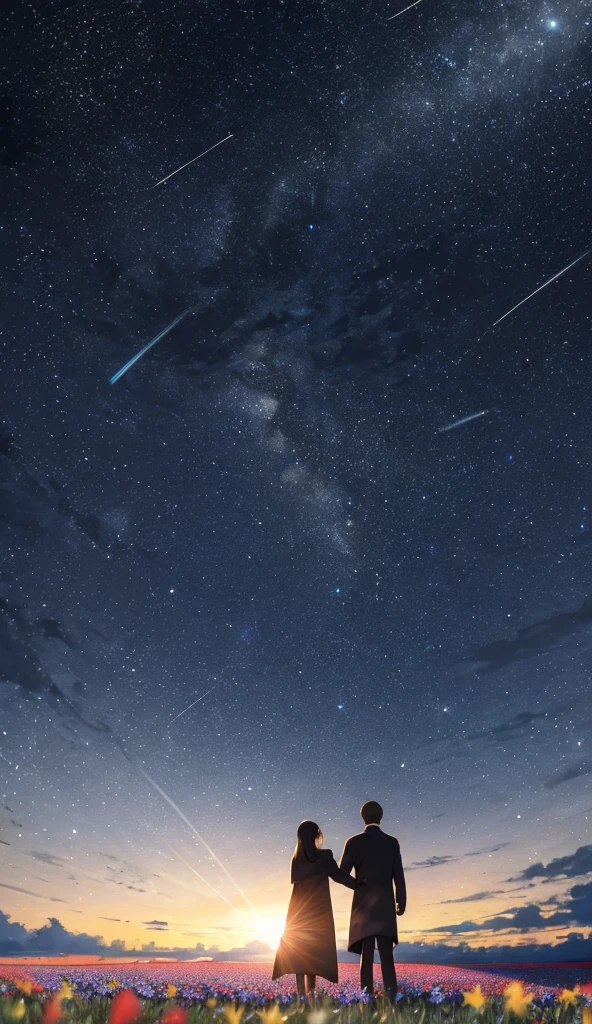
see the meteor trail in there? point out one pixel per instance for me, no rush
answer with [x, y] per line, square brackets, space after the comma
[162, 181]
[403, 11]
[540, 288]
[465, 419]
[195, 832]
[191, 705]
[142, 351]
[202, 879]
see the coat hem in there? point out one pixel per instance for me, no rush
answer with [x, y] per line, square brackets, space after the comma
[356, 947]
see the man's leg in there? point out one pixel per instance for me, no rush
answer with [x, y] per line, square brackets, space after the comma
[367, 965]
[300, 989]
[311, 980]
[387, 964]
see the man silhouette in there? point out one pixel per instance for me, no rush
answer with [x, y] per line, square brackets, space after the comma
[376, 858]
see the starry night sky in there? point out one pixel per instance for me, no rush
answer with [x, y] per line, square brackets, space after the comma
[266, 509]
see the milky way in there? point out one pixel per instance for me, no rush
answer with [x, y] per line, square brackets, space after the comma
[271, 507]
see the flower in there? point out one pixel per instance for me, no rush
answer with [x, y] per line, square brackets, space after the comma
[52, 1011]
[474, 998]
[233, 1013]
[586, 1015]
[273, 1016]
[125, 1007]
[210, 1002]
[26, 987]
[568, 996]
[14, 1010]
[516, 998]
[175, 1015]
[171, 991]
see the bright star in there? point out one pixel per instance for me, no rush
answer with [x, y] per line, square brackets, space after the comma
[340, 707]
[552, 24]
[337, 590]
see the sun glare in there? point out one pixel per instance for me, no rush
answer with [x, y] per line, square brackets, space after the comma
[270, 930]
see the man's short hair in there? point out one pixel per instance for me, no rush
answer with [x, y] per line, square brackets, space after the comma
[371, 812]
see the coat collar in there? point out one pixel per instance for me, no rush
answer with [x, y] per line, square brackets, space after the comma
[371, 825]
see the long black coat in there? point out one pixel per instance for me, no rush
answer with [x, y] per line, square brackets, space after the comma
[308, 943]
[376, 858]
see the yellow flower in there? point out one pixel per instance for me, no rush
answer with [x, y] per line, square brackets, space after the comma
[25, 986]
[233, 1013]
[474, 998]
[272, 1015]
[568, 996]
[113, 983]
[66, 990]
[586, 1015]
[210, 1002]
[516, 998]
[171, 991]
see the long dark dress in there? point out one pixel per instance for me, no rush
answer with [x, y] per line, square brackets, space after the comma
[308, 943]
[376, 857]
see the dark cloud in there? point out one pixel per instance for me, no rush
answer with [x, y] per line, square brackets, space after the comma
[48, 858]
[28, 892]
[160, 926]
[533, 640]
[486, 849]
[515, 728]
[574, 947]
[575, 908]
[22, 666]
[55, 938]
[431, 862]
[569, 866]
[438, 859]
[52, 629]
[576, 771]
[12, 935]
[526, 918]
[473, 897]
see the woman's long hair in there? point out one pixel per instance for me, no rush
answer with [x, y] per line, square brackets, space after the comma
[306, 835]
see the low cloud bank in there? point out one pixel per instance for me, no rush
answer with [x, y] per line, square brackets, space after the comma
[53, 938]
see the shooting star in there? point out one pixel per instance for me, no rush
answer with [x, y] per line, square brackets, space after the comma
[200, 838]
[162, 181]
[142, 351]
[465, 419]
[191, 705]
[202, 879]
[540, 288]
[403, 11]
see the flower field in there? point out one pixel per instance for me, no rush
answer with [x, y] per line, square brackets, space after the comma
[238, 993]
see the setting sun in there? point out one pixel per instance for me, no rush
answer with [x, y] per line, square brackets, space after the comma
[270, 930]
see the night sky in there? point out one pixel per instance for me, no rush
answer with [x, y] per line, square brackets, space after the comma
[266, 511]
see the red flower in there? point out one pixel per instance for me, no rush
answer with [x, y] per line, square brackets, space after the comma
[125, 1008]
[52, 1011]
[175, 1015]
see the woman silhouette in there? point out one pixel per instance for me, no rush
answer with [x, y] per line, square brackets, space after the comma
[307, 947]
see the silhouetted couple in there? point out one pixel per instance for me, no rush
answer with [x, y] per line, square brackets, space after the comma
[307, 947]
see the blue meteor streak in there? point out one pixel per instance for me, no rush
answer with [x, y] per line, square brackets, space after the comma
[139, 354]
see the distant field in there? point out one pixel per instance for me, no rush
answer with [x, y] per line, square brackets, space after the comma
[252, 981]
